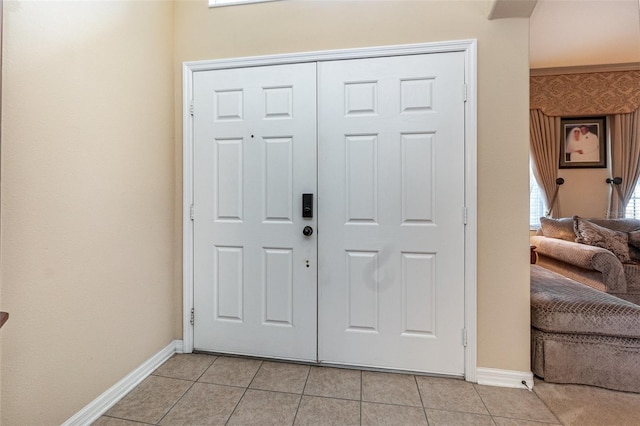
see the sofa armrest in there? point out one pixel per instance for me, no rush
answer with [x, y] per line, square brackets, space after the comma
[587, 257]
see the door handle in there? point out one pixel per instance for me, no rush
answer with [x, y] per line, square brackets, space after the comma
[307, 231]
[307, 206]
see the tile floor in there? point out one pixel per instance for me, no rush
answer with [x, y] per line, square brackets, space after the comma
[199, 389]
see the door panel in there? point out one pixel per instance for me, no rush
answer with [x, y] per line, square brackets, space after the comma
[391, 199]
[254, 156]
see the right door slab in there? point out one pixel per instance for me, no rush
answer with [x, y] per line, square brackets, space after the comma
[391, 172]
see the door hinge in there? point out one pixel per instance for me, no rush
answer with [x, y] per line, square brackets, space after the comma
[191, 212]
[464, 92]
[192, 317]
[464, 335]
[464, 215]
[191, 108]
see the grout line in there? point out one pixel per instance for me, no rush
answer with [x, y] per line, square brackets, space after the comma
[175, 403]
[321, 396]
[424, 409]
[481, 399]
[127, 420]
[193, 382]
[207, 369]
[519, 418]
[306, 381]
[236, 407]
[419, 393]
[301, 395]
[545, 402]
[244, 393]
[255, 374]
[395, 405]
[540, 422]
[361, 393]
[548, 408]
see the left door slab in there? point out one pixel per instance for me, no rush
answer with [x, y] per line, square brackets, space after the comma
[255, 273]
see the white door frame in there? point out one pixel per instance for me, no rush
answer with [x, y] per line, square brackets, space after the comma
[469, 47]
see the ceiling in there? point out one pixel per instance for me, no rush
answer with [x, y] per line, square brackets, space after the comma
[566, 33]
[570, 33]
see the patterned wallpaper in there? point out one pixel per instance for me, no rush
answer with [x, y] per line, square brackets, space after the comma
[598, 93]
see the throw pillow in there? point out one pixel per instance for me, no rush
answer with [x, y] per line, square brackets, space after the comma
[634, 238]
[594, 235]
[634, 254]
[558, 228]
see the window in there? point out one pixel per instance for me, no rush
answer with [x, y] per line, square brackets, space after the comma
[633, 207]
[536, 202]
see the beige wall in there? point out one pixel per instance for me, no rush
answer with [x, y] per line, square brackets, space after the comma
[584, 192]
[87, 200]
[503, 69]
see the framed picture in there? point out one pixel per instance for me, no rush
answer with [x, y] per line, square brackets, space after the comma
[583, 142]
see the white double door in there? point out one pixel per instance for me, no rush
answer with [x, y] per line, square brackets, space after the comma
[379, 143]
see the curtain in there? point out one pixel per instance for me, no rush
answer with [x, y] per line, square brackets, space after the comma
[625, 155]
[545, 152]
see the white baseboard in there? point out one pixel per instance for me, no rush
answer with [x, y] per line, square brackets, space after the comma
[101, 404]
[504, 378]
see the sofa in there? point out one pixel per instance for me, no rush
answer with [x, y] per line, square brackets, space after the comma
[582, 335]
[601, 253]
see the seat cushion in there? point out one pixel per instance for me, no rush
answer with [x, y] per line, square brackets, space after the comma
[562, 305]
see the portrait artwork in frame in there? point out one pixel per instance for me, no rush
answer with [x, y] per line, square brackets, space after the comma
[583, 142]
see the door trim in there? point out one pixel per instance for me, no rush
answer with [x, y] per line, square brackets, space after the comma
[469, 47]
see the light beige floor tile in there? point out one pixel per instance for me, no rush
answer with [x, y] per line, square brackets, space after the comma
[150, 400]
[514, 403]
[452, 418]
[450, 394]
[281, 377]
[589, 405]
[185, 366]
[265, 408]
[204, 404]
[112, 421]
[390, 388]
[392, 415]
[503, 421]
[231, 371]
[315, 410]
[334, 383]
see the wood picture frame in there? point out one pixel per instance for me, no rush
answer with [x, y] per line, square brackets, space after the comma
[583, 142]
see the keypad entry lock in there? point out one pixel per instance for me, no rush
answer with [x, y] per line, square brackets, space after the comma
[307, 212]
[307, 205]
